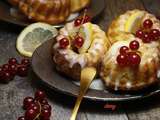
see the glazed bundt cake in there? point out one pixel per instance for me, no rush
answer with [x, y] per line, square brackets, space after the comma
[78, 46]
[126, 25]
[131, 71]
[133, 60]
[49, 11]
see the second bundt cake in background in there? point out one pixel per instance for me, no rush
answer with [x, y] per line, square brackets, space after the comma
[49, 11]
[127, 24]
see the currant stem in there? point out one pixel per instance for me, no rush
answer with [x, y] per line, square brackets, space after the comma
[37, 117]
[83, 18]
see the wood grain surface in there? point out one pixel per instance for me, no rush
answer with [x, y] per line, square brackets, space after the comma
[12, 94]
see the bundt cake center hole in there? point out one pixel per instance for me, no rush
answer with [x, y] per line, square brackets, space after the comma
[75, 50]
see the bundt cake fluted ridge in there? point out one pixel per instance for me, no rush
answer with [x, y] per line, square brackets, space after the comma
[50, 11]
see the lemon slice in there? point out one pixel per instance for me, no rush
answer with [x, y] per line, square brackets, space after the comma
[133, 23]
[33, 36]
[86, 31]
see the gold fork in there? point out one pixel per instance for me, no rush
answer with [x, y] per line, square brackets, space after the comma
[87, 76]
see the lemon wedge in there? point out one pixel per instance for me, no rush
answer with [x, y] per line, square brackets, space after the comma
[86, 32]
[133, 23]
[33, 36]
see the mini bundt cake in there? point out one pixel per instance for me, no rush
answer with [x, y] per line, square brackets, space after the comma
[49, 11]
[123, 27]
[133, 70]
[132, 62]
[78, 46]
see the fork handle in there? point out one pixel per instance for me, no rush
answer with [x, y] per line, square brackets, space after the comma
[76, 107]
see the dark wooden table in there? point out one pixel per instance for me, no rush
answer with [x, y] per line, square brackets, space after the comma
[12, 94]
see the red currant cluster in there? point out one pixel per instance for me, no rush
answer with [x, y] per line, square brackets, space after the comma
[36, 108]
[80, 21]
[77, 43]
[128, 55]
[146, 33]
[12, 68]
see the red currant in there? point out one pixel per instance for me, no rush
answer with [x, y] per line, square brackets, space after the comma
[25, 61]
[12, 61]
[122, 60]
[30, 114]
[124, 50]
[40, 95]
[87, 19]
[147, 24]
[64, 43]
[13, 69]
[45, 114]
[5, 67]
[146, 38]
[44, 102]
[27, 102]
[35, 107]
[78, 42]
[134, 45]
[140, 34]
[78, 22]
[134, 59]
[21, 118]
[7, 76]
[155, 34]
[47, 107]
[32, 104]
[22, 71]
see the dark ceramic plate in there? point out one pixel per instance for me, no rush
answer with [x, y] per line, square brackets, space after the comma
[8, 14]
[45, 70]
